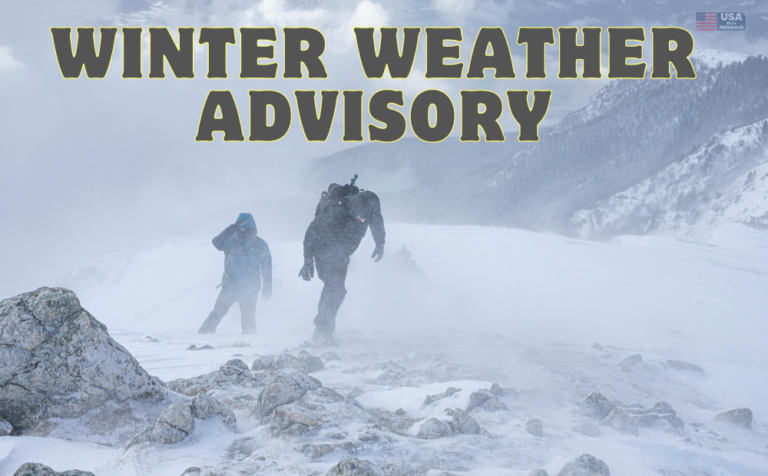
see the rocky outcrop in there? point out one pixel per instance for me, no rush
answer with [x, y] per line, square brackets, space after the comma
[59, 361]
[460, 424]
[661, 415]
[286, 386]
[485, 400]
[37, 469]
[355, 467]
[305, 362]
[619, 420]
[585, 465]
[595, 405]
[206, 407]
[173, 425]
[739, 416]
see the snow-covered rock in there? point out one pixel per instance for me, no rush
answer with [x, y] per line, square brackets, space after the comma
[537, 472]
[355, 467]
[305, 362]
[619, 420]
[439, 396]
[662, 414]
[460, 424]
[318, 450]
[585, 465]
[5, 428]
[485, 400]
[535, 427]
[677, 365]
[233, 374]
[59, 361]
[173, 425]
[286, 386]
[595, 405]
[206, 407]
[37, 469]
[739, 416]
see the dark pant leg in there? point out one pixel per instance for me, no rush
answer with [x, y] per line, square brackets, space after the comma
[248, 312]
[223, 303]
[333, 273]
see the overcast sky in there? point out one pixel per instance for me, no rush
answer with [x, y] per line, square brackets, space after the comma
[94, 166]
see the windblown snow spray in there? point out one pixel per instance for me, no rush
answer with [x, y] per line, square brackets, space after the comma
[303, 48]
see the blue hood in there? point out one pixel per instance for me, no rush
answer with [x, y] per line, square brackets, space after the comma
[248, 219]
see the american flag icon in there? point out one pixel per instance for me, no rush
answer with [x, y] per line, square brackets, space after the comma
[706, 21]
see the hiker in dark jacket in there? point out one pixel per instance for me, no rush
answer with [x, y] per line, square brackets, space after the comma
[341, 220]
[247, 262]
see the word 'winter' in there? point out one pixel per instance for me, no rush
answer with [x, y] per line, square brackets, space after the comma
[304, 47]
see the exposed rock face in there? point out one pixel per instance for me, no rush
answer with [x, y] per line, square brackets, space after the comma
[596, 406]
[59, 361]
[585, 465]
[234, 373]
[305, 362]
[662, 414]
[535, 427]
[439, 396]
[37, 469]
[284, 387]
[355, 467]
[619, 420]
[586, 428]
[677, 365]
[434, 428]
[739, 416]
[173, 425]
[206, 407]
[630, 361]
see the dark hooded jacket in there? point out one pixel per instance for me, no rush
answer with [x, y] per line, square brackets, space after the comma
[336, 232]
[247, 260]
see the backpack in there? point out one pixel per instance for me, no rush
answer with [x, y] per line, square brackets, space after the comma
[332, 200]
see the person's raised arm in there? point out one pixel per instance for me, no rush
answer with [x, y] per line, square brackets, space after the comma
[219, 241]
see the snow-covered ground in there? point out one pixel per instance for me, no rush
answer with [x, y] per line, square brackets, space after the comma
[469, 307]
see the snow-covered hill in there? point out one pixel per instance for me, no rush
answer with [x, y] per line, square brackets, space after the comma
[722, 181]
[464, 307]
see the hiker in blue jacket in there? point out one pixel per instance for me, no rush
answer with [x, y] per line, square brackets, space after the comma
[247, 262]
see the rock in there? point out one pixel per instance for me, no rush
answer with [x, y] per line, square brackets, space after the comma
[321, 449]
[5, 428]
[500, 391]
[677, 365]
[619, 420]
[662, 413]
[433, 398]
[206, 407]
[37, 469]
[59, 361]
[173, 425]
[537, 472]
[284, 387]
[465, 424]
[192, 471]
[328, 356]
[305, 362]
[630, 361]
[193, 347]
[586, 428]
[355, 467]
[596, 406]
[585, 465]
[150, 339]
[485, 400]
[596, 346]
[233, 374]
[535, 427]
[433, 429]
[740, 417]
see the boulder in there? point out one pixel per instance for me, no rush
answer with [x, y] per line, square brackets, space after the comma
[206, 407]
[630, 361]
[585, 465]
[537, 472]
[321, 449]
[586, 428]
[535, 427]
[59, 361]
[173, 425]
[596, 346]
[37, 469]
[465, 424]
[485, 400]
[305, 362]
[433, 429]
[677, 365]
[500, 391]
[662, 414]
[739, 416]
[595, 405]
[284, 387]
[460, 424]
[355, 467]
[619, 420]
[233, 374]
[439, 396]
[5, 428]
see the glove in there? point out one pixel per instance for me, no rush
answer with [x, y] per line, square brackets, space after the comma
[308, 270]
[266, 294]
[378, 253]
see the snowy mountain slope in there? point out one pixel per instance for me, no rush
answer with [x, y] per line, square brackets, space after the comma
[722, 181]
[472, 306]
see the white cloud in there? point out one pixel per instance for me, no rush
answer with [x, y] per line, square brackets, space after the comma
[7, 62]
[453, 6]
